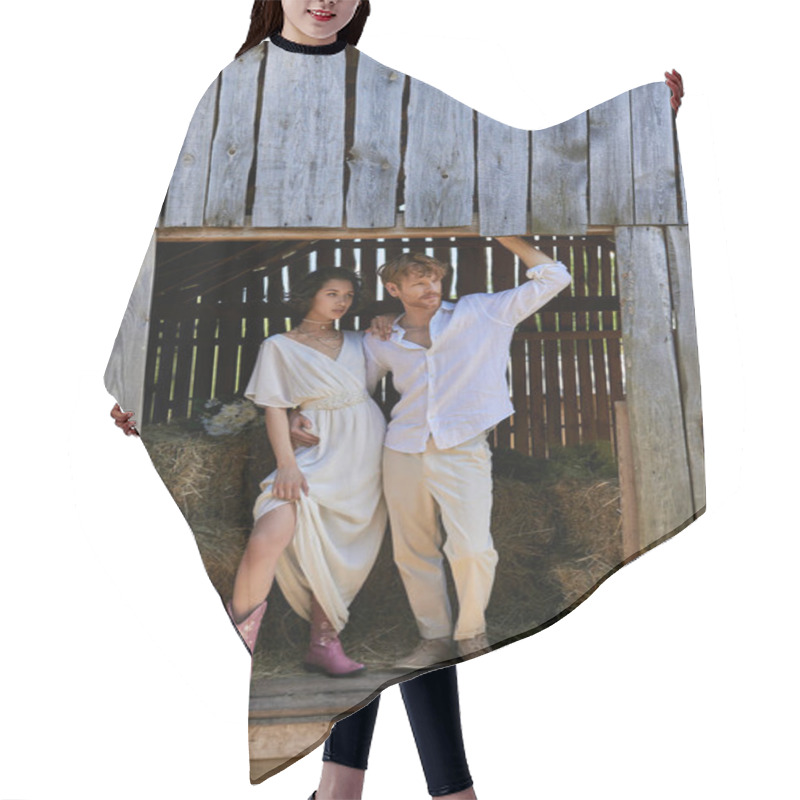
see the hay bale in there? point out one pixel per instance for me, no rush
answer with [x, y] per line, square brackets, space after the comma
[221, 548]
[578, 577]
[204, 474]
[590, 518]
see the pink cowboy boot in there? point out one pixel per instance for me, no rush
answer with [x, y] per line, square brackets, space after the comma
[325, 652]
[249, 626]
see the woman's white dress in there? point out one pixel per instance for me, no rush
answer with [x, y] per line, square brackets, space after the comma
[340, 524]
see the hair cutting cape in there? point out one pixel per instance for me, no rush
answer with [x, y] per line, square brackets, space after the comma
[295, 161]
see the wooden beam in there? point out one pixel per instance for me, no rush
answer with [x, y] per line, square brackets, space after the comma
[627, 481]
[663, 485]
[680, 274]
[124, 376]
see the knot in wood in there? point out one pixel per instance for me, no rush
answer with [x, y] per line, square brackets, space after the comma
[232, 150]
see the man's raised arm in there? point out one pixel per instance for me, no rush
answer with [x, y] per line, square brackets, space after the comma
[546, 278]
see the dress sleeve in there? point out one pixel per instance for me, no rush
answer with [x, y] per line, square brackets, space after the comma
[512, 306]
[270, 382]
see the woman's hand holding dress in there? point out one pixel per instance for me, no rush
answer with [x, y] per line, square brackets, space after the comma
[289, 483]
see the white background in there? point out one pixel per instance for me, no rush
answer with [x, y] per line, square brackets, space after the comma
[121, 677]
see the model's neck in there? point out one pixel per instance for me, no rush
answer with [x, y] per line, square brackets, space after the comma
[316, 49]
[417, 317]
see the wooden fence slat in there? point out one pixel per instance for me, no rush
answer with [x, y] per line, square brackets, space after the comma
[234, 140]
[440, 170]
[611, 287]
[503, 272]
[602, 408]
[502, 178]
[522, 399]
[538, 431]
[610, 167]
[375, 157]
[583, 353]
[560, 178]
[655, 187]
[300, 158]
[680, 272]
[663, 487]
[552, 369]
[125, 373]
[567, 352]
[186, 195]
[471, 271]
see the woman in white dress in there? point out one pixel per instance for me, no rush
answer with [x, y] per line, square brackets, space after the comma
[320, 517]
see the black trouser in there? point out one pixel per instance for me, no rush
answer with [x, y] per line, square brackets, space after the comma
[432, 707]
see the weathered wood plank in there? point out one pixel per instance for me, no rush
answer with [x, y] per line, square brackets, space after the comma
[654, 180]
[502, 178]
[375, 157]
[601, 405]
[682, 213]
[627, 480]
[663, 486]
[569, 380]
[471, 271]
[680, 272]
[611, 330]
[234, 140]
[186, 195]
[300, 159]
[503, 271]
[440, 170]
[125, 372]
[523, 399]
[560, 178]
[610, 167]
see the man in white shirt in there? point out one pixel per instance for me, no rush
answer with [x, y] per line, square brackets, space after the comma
[448, 362]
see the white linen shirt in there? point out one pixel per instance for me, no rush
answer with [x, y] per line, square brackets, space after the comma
[457, 388]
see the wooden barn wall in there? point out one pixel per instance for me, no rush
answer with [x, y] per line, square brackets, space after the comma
[662, 379]
[214, 303]
[380, 161]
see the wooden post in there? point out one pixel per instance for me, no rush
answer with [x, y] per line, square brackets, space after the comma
[657, 426]
[627, 480]
[124, 377]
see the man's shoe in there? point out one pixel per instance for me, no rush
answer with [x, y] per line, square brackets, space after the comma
[427, 653]
[475, 645]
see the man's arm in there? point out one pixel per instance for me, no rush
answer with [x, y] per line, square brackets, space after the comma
[546, 278]
[375, 370]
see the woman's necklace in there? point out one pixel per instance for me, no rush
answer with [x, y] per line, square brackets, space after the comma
[332, 342]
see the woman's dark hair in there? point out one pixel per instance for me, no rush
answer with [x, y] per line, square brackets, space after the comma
[302, 294]
[266, 18]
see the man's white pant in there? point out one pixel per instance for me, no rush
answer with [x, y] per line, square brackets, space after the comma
[457, 484]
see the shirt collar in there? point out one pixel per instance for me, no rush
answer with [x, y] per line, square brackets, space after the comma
[398, 333]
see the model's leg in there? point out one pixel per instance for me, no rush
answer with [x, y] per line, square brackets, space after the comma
[433, 711]
[417, 541]
[256, 573]
[346, 754]
[461, 482]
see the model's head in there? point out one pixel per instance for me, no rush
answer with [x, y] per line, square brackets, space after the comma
[326, 294]
[415, 279]
[312, 22]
